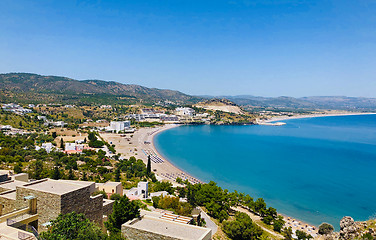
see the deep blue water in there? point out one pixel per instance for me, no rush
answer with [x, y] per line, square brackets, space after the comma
[315, 169]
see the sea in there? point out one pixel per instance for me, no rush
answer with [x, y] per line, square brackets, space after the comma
[314, 169]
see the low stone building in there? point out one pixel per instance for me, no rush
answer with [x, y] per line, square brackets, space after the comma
[52, 197]
[157, 226]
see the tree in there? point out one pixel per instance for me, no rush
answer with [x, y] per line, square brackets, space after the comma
[278, 224]
[56, 173]
[38, 169]
[71, 175]
[62, 144]
[123, 211]
[302, 235]
[54, 135]
[269, 215]
[179, 180]
[96, 144]
[84, 177]
[287, 233]
[18, 168]
[242, 228]
[259, 206]
[92, 136]
[115, 196]
[73, 226]
[117, 175]
[163, 186]
[325, 228]
[148, 167]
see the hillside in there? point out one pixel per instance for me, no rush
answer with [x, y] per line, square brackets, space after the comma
[26, 87]
[223, 105]
[310, 103]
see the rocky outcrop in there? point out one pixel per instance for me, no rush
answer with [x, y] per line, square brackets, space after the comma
[349, 230]
[352, 230]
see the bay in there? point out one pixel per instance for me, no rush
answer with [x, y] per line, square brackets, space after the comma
[314, 169]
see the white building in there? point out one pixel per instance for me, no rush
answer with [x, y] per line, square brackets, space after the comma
[70, 146]
[106, 106]
[110, 188]
[118, 126]
[184, 111]
[73, 147]
[141, 191]
[44, 118]
[159, 194]
[47, 146]
[59, 124]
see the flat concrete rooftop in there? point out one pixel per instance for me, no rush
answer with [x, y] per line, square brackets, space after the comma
[54, 186]
[169, 228]
[11, 195]
[12, 184]
[112, 184]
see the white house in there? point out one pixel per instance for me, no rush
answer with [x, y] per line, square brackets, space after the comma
[184, 111]
[141, 191]
[46, 146]
[118, 126]
[70, 146]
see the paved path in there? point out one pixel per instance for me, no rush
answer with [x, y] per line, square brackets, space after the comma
[209, 223]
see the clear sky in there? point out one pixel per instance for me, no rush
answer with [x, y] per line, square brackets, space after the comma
[215, 47]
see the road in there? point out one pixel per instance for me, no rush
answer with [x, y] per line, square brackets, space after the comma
[209, 223]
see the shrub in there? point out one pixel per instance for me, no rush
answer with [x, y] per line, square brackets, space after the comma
[325, 228]
[242, 228]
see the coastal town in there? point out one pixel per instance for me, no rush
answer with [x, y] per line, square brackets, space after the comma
[30, 202]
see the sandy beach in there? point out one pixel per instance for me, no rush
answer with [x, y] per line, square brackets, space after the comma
[326, 114]
[140, 144]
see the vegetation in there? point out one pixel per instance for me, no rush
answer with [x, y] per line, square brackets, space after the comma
[302, 235]
[242, 228]
[27, 122]
[173, 204]
[48, 89]
[123, 211]
[73, 226]
[325, 228]
[162, 186]
[93, 141]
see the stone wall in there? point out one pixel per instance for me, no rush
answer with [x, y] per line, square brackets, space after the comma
[3, 189]
[7, 205]
[107, 208]
[137, 234]
[48, 204]
[80, 201]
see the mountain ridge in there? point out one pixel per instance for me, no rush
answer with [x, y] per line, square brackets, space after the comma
[31, 87]
[28, 83]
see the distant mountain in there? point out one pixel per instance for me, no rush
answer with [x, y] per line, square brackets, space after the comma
[309, 103]
[34, 88]
[27, 87]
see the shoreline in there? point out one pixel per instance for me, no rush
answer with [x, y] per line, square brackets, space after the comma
[141, 144]
[290, 221]
[152, 145]
[166, 170]
[277, 118]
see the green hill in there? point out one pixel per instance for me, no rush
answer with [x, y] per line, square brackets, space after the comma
[27, 87]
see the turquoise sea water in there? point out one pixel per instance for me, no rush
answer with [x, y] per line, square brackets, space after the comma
[314, 169]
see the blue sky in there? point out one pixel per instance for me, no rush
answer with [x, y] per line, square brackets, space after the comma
[264, 48]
